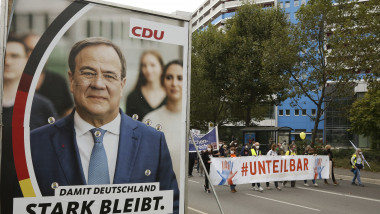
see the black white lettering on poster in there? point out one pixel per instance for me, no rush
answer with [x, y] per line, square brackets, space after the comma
[116, 142]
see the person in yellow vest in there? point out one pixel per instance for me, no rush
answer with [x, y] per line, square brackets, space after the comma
[255, 151]
[291, 151]
[357, 165]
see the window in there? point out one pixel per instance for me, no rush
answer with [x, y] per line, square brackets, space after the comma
[296, 3]
[281, 5]
[287, 16]
[296, 112]
[303, 112]
[287, 112]
[287, 4]
[313, 112]
[303, 1]
[281, 113]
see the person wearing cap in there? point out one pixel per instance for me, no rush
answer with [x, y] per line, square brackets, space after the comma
[98, 143]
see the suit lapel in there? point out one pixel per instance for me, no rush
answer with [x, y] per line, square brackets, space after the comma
[129, 142]
[67, 152]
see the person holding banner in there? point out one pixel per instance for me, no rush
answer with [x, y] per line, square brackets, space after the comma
[255, 151]
[272, 152]
[149, 94]
[309, 151]
[206, 158]
[291, 151]
[232, 186]
[72, 152]
[330, 154]
[357, 165]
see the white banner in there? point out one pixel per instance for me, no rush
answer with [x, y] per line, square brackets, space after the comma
[251, 169]
[86, 199]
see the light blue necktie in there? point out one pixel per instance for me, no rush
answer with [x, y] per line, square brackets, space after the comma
[98, 168]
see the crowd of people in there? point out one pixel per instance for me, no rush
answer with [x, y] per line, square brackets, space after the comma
[253, 149]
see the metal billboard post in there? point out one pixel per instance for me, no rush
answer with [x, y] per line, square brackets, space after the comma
[206, 173]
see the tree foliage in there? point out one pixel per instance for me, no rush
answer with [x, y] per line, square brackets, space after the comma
[209, 78]
[254, 79]
[365, 116]
[233, 78]
[332, 47]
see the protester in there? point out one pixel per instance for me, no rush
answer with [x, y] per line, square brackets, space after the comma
[330, 154]
[192, 158]
[245, 151]
[272, 152]
[148, 94]
[232, 186]
[309, 151]
[206, 158]
[280, 149]
[291, 151]
[255, 151]
[222, 151]
[357, 165]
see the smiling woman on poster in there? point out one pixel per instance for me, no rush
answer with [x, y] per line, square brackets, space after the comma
[169, 115]
[149, 94]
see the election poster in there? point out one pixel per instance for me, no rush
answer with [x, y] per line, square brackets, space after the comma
[94, 109]
[251, 169]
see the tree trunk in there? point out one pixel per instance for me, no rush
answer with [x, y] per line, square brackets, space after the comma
[316, 123]
[248, 117]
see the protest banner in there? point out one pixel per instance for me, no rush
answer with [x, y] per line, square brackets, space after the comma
[250, 169]
[210, 138]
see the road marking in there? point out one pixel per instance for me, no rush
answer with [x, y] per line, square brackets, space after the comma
[366, 180]
[341, 194]
[296, 205]
[194, 181]
[195, 210]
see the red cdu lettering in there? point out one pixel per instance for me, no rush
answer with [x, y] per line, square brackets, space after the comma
[134, 31]
[161, 35]
[147, 33]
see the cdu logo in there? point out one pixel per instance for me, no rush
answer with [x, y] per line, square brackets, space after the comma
[147, 33]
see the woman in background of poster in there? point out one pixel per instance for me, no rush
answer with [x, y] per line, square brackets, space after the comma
[149, 94]
[168, 117]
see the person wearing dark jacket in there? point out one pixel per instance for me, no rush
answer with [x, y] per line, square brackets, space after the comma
[331, 158]
[206, 158]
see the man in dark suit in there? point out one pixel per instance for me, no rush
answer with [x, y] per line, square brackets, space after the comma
[131, 152]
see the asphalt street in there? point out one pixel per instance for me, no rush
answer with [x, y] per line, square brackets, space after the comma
[343, 198]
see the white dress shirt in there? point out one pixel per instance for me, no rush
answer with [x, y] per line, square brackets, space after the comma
[85, 142]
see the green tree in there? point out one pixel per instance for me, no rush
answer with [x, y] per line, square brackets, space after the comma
[254, 77]
[365, 117]
[208, 78]
[323, 37]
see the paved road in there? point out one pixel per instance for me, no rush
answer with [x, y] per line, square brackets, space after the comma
[343, 198]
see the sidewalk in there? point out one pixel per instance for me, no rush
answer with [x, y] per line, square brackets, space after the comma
[366, 177]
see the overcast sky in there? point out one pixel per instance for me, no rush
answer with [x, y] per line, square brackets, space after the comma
[166, 6]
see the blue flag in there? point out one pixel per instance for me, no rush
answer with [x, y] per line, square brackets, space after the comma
[210, 138]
